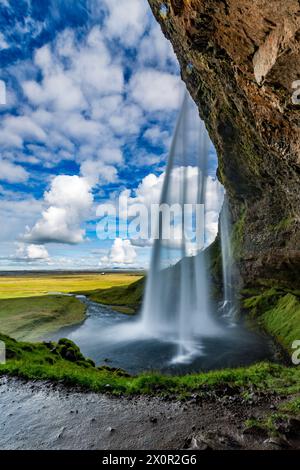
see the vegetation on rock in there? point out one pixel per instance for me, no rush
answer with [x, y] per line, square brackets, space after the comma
[278, 312]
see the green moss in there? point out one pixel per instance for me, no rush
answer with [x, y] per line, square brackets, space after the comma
[214, 256]
[125, 299]
[269, 424]
[238, 235]
[278, 312]
[283, 321]
[283, 224]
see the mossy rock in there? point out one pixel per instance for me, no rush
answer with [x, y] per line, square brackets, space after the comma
[69, 350]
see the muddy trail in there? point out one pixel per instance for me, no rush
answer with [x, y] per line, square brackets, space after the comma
[42, 415]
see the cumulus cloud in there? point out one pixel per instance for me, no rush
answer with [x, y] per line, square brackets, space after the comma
[31, 253]
[12, 173]
[70, 201]
[78, 102]
[96, 171]
[158, 137]
[126, 21]
[155, 90]
[121, 253]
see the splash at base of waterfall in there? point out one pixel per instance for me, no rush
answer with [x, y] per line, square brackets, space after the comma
[117, 340]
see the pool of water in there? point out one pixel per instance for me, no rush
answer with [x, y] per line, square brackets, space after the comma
[117, 340]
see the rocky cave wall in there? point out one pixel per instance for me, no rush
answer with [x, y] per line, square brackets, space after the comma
[240, 60]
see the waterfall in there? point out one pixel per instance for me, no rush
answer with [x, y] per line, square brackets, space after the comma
[228, 307]
[177, 298]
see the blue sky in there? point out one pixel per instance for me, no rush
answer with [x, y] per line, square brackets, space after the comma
[93, 91]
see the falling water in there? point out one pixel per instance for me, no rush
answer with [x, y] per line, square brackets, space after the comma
[176, 305]
[228, 307]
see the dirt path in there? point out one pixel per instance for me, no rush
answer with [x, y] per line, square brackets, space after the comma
[39, 415]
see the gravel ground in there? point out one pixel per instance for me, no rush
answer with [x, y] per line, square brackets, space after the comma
[41, 415]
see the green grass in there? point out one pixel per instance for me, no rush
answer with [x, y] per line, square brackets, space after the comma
[31, 285]
[278, 312]
[125, 299]
[53, 361]
[32, 318]
[267, 424]
[292, 406]
[26, 313]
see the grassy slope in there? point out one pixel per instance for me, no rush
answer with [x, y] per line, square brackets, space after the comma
[278, 312]
[41, 361]
[28, 285]
[125, 299]
[32, 318]
[26, 313]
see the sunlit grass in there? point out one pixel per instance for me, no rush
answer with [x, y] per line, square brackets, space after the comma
[32, 318]
[31, 285]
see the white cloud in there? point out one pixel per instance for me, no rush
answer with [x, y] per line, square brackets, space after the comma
[12, 173]
[98, 172]
[17, 129]
[127, 20]
[155, 90]
[156, 136]
[70, 201]
[31, 253]
[57, 91]
[154, 49]
[121, 253]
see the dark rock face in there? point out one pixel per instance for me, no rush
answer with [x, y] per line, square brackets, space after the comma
[240, 60]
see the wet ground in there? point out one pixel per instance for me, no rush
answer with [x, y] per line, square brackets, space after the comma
[40, 415]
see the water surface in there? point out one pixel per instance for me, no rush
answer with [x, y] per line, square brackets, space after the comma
[118, 340]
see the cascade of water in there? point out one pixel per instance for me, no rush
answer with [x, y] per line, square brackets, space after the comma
[228, 307]
[176, 304]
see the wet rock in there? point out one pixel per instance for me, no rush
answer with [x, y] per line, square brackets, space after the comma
[153, 420]
[60, 434]
[255, 430]
[277, 442]
[110, 429]
[196, 444]
[294, 426]
[217, 441]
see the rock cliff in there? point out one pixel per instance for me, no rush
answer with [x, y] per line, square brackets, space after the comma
[240, 60]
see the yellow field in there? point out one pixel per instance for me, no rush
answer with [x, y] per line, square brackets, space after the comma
[31, 285]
